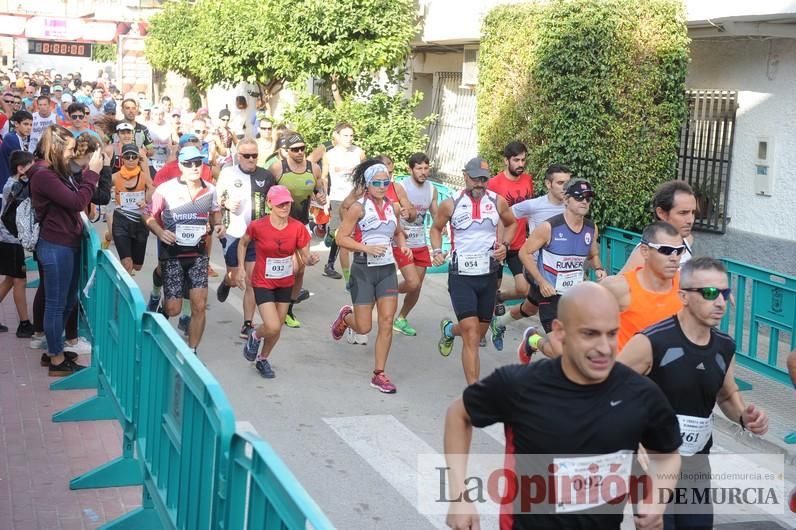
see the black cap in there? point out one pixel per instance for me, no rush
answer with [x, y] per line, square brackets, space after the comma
[129, 148]
[580, 188]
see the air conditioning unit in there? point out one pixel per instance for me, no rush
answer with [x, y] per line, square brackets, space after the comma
[470, 66]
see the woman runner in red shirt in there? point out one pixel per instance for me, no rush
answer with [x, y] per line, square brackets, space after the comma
[280, 241]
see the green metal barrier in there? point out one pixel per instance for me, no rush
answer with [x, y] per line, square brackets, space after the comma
[117, 305]
[263, 493]
[615, 248]
[765, 308]
[184, 430]
[86, 305]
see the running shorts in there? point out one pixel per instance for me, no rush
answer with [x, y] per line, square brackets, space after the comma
[130, 237]
[12, 260]
[231, 251]
[368, 284]
[421, 257]
[183, 274]
[473, 296]
[279, 295]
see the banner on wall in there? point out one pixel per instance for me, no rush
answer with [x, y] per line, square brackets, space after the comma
[134, 73]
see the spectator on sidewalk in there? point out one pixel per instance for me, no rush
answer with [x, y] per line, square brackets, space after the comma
[58, 200]
[12, 255]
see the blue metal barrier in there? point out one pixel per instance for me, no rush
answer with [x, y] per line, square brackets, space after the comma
[86, 305]
[184, 430]
[117, 305]
[264, 494]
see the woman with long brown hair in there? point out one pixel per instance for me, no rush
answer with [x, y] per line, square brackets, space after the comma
[58, 200]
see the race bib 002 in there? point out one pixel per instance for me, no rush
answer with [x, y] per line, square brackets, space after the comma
[567, 280]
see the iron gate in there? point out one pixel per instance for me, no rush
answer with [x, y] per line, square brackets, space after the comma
[705, 153]
[452, 138]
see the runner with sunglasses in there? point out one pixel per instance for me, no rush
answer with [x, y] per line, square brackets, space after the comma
[373, 221]
[281, 243]
[179, 214]
[562, 244]
[303, 179]
[476, 255]
[692, 362]
[242, 191]
[650, 293]
[133, 190]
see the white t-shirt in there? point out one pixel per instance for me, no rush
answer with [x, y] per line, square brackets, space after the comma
[341, 164]
[39, 124]
[236, 185]
[161, 140]
[537, 210]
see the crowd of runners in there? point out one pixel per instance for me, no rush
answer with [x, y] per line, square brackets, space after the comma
[73, 148]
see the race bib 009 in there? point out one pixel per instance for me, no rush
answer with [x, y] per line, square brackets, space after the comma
[190, 235]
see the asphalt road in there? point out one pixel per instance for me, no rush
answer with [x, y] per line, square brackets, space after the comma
[354, 449]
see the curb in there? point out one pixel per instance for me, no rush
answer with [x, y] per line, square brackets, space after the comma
[763, 444]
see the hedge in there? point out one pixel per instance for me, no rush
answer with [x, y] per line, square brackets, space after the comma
[598, 85]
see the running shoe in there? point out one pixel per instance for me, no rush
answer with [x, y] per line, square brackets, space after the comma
[329, 272]
[482, 343]
[339, 326]
[355, 338]
[497, 334]
[81, 346]
[184, 323]
[252, 347]
[25, 330]
[38, 343]
[245, 329]
[211, 272]
[291, 321]
[525, 351]
[222, 292]
[105, 245]
[402, 326]
[303, 295]
[153, 304]
[445, 344]
[3, 328]
[264, 368]
[382, 383]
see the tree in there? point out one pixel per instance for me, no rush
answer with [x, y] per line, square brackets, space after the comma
[271, 43]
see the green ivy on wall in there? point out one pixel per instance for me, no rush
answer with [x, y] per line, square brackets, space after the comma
[598, 85]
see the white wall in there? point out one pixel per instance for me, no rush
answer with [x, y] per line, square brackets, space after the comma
[764, 73]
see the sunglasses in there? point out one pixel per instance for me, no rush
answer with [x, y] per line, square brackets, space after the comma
[580, 197]
[266, 128]
[131, 156]
[666, 250]
[199, 131]
[9, 101]
[77, 116]
[297, 149]
[709, 293]
[379, 183]
[192, 163]
[249, 156]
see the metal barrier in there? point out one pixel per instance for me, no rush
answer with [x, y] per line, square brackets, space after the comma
[615, 248]
[263, 493]
[117, 306]
[89, 248]
[765, 308]
[184, 429]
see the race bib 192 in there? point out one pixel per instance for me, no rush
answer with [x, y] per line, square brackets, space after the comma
[129, 199]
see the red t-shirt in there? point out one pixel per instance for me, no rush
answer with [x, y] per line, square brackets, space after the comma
[171, 170]
[514, 191]
[272, 245]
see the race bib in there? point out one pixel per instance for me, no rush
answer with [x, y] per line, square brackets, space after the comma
[129, 199]
[696, 432]
[190, 235]
[568, 280]
[276, 268]
[385, 259]
[415, 236]
[473, 263]
[579, 480]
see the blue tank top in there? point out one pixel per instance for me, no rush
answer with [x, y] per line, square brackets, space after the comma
[561, 260]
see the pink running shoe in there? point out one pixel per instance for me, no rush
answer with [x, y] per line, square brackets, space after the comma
[525, 351]
[382, 383]
[339, 326]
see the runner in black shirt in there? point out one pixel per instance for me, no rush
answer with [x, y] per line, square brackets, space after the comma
[579, 404]
[692, 362]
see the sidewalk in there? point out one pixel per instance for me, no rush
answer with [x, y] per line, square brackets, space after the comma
[39, 457]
